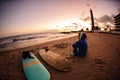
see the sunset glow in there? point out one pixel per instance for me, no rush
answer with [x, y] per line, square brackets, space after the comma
[20, 17]
[73, 25]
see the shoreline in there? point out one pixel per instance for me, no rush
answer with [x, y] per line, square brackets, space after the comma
[100, 63]
[28, 43]
[45, 42]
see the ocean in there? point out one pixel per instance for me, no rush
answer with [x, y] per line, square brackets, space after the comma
[22, 41]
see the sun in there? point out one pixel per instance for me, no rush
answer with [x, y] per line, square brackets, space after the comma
[73, 25]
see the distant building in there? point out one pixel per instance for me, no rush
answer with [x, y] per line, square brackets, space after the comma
[117, 22]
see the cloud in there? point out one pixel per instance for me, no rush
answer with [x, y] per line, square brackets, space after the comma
[102, 21]
[86, 18]
[105, 19]
[88, 5]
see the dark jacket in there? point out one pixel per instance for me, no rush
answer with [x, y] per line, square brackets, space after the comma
[80, 47]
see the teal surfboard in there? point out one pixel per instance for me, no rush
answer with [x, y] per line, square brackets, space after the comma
[34, 69]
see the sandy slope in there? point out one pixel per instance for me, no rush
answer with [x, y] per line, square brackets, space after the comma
[101, 63]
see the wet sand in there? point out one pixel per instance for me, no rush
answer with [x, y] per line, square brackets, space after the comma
[102, 61]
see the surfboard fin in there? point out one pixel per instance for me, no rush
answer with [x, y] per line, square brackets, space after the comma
[46, 49]
[26, 54]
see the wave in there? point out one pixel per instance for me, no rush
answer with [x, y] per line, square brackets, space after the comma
[22, 41]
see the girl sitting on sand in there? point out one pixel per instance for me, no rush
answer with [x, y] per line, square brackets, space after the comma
[80, 46]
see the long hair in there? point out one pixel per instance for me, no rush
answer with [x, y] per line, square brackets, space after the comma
[82, 36]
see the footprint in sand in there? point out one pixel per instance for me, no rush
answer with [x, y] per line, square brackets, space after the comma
[100, 64]
[101, 68]
[119, 53]
[62, 45]
[99, 61]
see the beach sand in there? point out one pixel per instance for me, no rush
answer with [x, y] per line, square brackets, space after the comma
[102, 61]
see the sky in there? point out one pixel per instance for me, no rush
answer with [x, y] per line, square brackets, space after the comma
[31, 16]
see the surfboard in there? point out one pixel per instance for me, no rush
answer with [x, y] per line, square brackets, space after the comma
[34, 69]
[55, 60]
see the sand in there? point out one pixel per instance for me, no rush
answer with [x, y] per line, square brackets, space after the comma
[102, 61]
